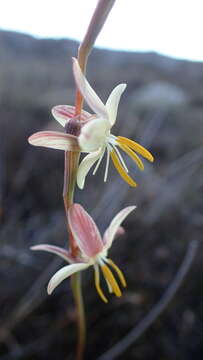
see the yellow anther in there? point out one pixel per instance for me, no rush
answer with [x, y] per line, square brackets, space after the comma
[119, 272]
[136, 147]
[110, 278]
[133, 156]
[121, 170]
[97, 284]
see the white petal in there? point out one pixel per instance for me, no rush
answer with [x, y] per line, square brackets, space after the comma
[85, 167]
[54, 140]
[99, 161]
[111, 231]
[93, 135]
[113, 101]
[63, 253]
[63, 113]
[63, 273]
[88, 93]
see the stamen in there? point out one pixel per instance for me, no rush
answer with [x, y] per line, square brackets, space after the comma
[135, 146]
[112, 139]
[133, 156]
[109, 286]
[119, 272]
[102, 261]
[110, 278]
[121, 170]
[120, 158]
[97, 283]
[98, 163]
[107, 165]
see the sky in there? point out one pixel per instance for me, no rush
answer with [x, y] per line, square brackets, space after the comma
[173, 28]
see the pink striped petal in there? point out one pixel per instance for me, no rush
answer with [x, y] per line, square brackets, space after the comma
[63, 113]
[84, 231]
[63, 253]
[114, 226]
[54, 140]
[86, 90]
[64, 273]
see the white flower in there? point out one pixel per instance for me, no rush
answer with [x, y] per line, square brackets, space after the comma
[94, 134]
[93, 250]
[96, 137]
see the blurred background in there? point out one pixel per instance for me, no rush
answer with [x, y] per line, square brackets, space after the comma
[162, 108]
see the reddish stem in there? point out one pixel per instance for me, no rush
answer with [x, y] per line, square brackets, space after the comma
[70, 172]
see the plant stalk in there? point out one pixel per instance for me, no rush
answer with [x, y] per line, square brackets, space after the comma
[71, 163]
[97, 22]
[70, 173]
[76, 284]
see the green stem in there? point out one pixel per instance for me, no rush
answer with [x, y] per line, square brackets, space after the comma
[76, 283]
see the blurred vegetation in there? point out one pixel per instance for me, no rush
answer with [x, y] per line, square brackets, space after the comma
[162, 109]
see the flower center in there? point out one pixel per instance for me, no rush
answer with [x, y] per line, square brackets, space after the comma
[111, 139]
[73, 126]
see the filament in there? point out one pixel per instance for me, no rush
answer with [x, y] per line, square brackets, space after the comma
[120, 158]
[133, 155]
[107, 165]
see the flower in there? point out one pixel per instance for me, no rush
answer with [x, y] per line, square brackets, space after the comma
[93, 250]
[64, 114]
[95, 136]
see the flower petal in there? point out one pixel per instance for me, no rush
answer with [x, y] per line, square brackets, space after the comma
[87, 92]
[111, 231]
[113, 101]
[63, 253]
[63, 113]
[85, 167]
[93, 135]
[54, 140]
[119, 232]
[63, 273]
[85, 231]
